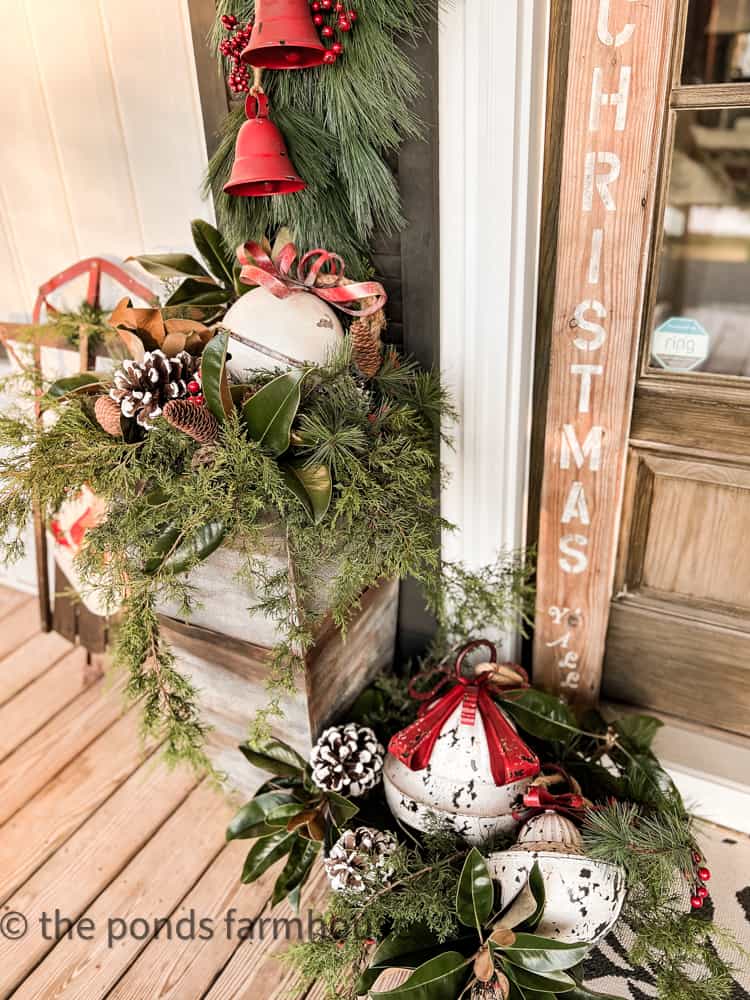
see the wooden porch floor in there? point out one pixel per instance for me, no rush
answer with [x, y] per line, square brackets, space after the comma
[96, 831]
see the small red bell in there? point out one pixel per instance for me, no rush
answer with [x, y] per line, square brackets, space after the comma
[284, 36]
[261, 162]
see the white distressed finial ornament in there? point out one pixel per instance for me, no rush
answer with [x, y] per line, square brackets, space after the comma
[462, 761]
[583, 897]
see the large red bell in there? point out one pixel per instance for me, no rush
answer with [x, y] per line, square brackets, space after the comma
[261, 162]
[284, 36]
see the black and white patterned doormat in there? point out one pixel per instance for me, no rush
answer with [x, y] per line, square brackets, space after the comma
[728, 857]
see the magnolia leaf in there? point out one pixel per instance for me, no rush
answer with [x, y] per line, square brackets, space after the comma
[281, 815]
[541, 714]
[312, 485]
[342, 809]
[541, 955]
[214, 376]
[647, 781]
[146, 324]
[72, 385]
[637, 731]
[552, 982]
[171, 265]
[250, 821]
[408, 950]
[269, 414]
[296, 871]
[275, 756]
[439, 978]
[211, 248]
[263, 854]
[475, 893]
[193, 291]
[172, 555]
[527, 908]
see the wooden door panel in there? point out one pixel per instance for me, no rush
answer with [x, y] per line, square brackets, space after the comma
[684, 527]
[678, 664]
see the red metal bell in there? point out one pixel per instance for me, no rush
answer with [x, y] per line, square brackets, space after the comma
[261, 162]
[284, 36]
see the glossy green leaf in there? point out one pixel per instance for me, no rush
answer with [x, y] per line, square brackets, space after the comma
[402, 951]
[526, 910]
[342, 809]
[171, 265]
[250, 821]
[281, 815]
[439, 978]
[211, 248]
[551, 982]
[541, 714]
[238, 391]
[647, 781]
[269, 414]
[475, 893]
[172, 553]
[296, 870]
[542, 955]
[199, 293]
[263, 854]
[275, 756]
[71, 385]
[214, 376]
[638, 731]
[312, 485]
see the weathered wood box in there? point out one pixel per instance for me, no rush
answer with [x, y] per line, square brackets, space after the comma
[231, 673]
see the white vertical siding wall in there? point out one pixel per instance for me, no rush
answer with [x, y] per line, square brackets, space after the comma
[103, 148]
[492, 87]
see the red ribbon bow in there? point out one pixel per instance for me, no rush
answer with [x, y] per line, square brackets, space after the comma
[539, 799]
[510, 758]
[276, 276]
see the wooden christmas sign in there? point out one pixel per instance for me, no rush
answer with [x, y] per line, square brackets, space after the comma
[618, 75]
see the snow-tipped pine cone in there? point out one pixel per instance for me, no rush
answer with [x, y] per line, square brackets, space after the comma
[347, 759]
[360, 859]
[143, 387]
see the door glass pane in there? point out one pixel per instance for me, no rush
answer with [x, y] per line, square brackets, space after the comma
[701, 319]
[717, 44]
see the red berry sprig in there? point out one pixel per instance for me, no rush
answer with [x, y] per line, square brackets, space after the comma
[195, 392]
[330, 17]
[702, 875]
[231, 48]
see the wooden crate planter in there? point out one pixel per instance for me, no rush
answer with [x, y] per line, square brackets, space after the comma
[231, 675]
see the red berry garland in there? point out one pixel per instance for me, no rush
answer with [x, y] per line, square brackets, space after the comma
[328, 18]
[702, 874]
[231, 48]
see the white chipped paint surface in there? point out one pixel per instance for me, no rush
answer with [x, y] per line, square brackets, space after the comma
[457, 786]
[584, 897]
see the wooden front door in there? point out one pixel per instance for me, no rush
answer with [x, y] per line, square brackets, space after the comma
[679, 629]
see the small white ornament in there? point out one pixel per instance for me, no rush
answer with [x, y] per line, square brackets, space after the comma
[300, 327]
[549, 831]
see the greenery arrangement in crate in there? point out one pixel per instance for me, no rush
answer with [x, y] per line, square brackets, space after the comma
[342, 463]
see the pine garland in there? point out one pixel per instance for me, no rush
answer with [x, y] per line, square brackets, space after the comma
[341, 123]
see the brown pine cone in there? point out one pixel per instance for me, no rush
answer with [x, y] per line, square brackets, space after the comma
[192, 419]
[366, 345]
[108, 414]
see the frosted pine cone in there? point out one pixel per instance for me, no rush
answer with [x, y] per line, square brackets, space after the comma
[360, 859]
[347, 759]
[142, 388]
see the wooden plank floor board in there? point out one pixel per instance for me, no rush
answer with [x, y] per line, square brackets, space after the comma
[20, 624]
[30, 661]
[63, 805]
[255, 970]
[175, 969]
[148, 889]
[82, 871]
[11, 599]
[42, 699]
[28, 769]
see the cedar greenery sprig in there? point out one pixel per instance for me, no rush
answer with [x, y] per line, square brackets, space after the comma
[341, 123]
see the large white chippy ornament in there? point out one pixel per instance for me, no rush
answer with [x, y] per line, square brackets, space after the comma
[583, 897]
[462, 761]
[287, 331]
